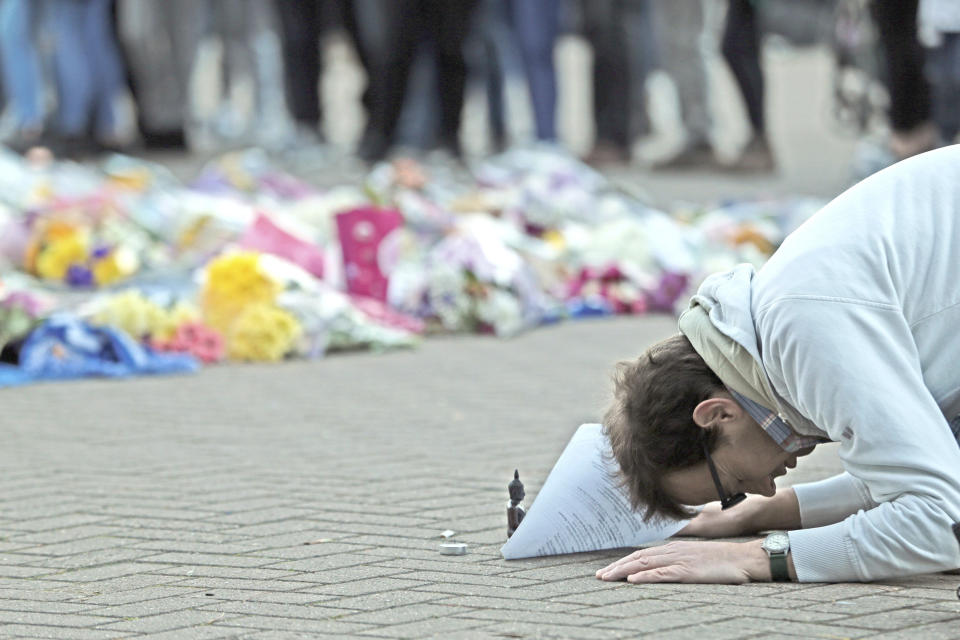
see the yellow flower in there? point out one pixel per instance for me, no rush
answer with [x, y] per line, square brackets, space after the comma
[262, 333]
[54, 257]
[120, 263]
[234, 282]
[133, 313]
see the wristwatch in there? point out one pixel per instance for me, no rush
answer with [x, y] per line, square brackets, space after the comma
[777, 546]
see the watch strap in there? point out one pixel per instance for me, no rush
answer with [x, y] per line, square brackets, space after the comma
[778, 567]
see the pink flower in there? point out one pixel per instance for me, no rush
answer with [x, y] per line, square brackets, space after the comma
[197, 339]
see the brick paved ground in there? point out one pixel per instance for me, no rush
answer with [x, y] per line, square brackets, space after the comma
[307, 499]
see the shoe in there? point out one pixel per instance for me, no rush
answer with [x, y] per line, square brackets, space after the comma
[605, 154]
[373, 147]
[923, 137]
[24, 140]
[165, 140]
[756, 157]
[74, 147]
[695, 157]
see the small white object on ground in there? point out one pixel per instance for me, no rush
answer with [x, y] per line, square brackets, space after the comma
[449, 533]
[453, 549]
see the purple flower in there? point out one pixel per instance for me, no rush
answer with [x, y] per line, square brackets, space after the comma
[79, 276]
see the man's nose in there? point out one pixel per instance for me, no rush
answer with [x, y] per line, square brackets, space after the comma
[792, 462]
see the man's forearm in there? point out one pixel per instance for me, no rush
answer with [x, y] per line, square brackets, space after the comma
[780, 512]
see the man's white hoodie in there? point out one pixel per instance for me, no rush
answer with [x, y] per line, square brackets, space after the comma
[856, 322]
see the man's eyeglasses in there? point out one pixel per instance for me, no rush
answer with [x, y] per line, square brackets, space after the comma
[725, 501]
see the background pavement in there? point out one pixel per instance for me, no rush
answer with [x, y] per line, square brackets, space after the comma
[307, 499]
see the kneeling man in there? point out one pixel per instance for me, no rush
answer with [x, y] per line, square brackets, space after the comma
[849, 333]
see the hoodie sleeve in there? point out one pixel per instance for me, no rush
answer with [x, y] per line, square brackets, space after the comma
[853, 368]
[831, 500]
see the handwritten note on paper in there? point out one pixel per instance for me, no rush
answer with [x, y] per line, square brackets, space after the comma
[581, 508]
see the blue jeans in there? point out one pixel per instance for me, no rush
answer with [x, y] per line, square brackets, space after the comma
[943, 73]
[22, 73]
[537, 23]
[88, 63]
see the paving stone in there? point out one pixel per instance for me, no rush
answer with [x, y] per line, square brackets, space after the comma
[364, 587]
[286, 610]
[659, 621]
[429, 627]
[512, 604]
[514, 629]
[438, 576]
[42, 618]
[899, 619]
[582, 617]
[866, 604]
[168, 621]
[386, 599]
[151, 607]
[452, 564]
[109, 571]
[206, 632]
[274, 623]
[946, 630]
[59, 632]
[208, 583]
[27, 603]
[347, 574]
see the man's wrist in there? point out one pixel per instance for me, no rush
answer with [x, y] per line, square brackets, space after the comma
[757, 561]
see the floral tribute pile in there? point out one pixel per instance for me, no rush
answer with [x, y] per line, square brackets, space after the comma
[250, 263]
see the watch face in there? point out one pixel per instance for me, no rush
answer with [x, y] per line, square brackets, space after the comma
[777, 542]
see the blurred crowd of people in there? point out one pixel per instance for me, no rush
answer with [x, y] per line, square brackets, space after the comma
[71, 67]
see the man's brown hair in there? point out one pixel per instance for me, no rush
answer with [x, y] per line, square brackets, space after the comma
[650, 421]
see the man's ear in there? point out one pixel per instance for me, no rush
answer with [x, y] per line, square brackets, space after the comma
[714, 411]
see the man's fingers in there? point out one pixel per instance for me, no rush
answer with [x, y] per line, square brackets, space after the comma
[618, 566]
[644, 562]
[613, 565]
[670, 573]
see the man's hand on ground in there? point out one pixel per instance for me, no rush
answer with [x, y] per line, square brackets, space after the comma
[694, 562]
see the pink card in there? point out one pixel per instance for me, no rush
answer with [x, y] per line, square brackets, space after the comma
[361, 231]
[265, 236]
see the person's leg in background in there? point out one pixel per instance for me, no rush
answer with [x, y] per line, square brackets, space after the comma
[300, 34]
[391, 33]
[605, 29]
[642, 58]
[485, 63]
[106, 70]
[537, 24]
[682, 24]
[910, 107]
[76, 86]
[741, 50]
[235, 22]
[449, 22]
[161, 41]
[943, 74]
[22, 75]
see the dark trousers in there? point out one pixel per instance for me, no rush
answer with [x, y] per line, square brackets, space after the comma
[612, 27]
[302, 23]
[903, 56]
[741, 50]
[391, 33]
